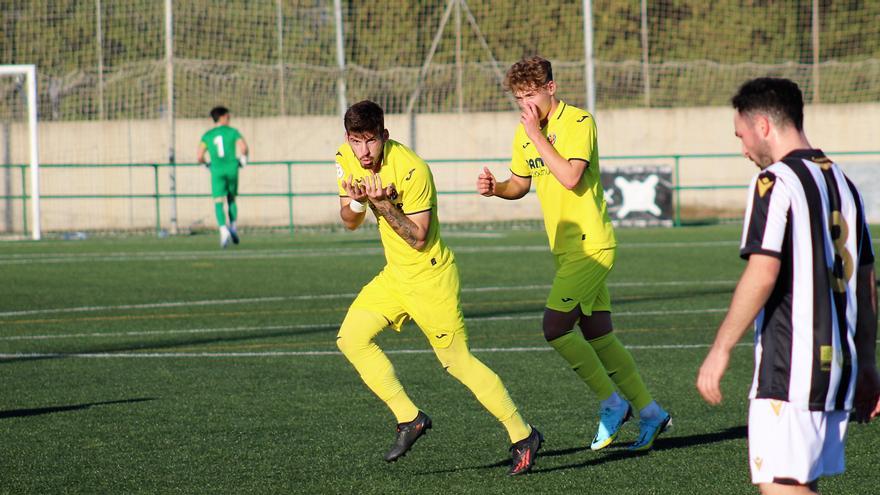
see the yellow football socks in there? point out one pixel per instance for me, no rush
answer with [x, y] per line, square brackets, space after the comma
[622, 369]
[484, 384]
[583, 360]
[355, 340]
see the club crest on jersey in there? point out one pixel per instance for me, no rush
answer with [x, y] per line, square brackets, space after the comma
[551, 138]
[776, 405]
[765, 183]
[823, 161]
[339, 172]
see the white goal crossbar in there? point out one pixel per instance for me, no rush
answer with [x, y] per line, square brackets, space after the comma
[30, 72]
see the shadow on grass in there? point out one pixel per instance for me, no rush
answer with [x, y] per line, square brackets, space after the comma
[21, 413]
[660, 445]
[673, 295]
[151, 346]
[506, 309]
[619, 454]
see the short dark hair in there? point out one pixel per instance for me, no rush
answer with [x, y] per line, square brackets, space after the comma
[364, 116]
[781, 99]
[218, 112]
[528, 73]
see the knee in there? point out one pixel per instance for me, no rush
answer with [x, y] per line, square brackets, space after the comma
[470, 371]
[551, 333]
[348, 343]
[343, 344]
[556, 323]
[455, 362]
[596, 325]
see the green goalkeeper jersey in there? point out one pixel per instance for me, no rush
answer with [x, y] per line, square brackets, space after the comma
[220, 142]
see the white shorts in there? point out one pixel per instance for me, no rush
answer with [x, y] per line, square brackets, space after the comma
[787, 443]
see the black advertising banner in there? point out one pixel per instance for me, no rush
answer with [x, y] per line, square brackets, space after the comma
[639, 196]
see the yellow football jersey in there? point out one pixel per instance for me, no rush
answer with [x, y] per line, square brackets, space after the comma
[416, 193]
[576, 220]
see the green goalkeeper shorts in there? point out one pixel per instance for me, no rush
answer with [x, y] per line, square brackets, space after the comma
[224, 182]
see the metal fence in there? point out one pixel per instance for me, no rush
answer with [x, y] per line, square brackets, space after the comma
[136, 61]
[292, 194]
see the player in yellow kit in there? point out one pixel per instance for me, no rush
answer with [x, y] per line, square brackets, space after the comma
[555, 146]
[419, 282]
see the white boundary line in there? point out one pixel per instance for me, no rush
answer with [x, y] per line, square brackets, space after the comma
[30, 258]
[159, 355]
[310, 297]
[23, 258]
[135, 333]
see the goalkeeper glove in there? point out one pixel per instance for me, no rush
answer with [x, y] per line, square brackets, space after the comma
[242, 161]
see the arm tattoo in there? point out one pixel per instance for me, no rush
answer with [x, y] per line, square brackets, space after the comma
[398, 221]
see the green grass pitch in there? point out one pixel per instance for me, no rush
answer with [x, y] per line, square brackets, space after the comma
[141, 365]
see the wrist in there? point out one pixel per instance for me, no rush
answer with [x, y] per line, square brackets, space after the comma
[721, 348]
[356, 206]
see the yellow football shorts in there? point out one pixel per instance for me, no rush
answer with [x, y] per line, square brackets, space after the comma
[580, 280]
[433, 304]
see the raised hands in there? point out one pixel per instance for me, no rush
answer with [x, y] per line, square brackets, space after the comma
[354, 189]
[368, 188]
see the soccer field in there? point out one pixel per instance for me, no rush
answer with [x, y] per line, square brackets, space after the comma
[140, 365]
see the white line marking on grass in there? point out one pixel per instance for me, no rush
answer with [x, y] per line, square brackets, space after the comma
[474, 235]
[230, 255]
[676, 244]
[154, 355]
[533, 316]
[310, 297]
[22, 258]
[186, 256]
[671, 283]
[136, 333]
[177, 304]
[675, 312]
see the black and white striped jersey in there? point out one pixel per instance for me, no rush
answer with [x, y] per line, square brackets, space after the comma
[806, 212]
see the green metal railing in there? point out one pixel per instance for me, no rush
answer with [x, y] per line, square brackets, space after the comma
[157, 195]
[702, 156]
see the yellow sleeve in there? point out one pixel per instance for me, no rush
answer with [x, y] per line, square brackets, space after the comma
[419, 194]
[341, 171]
[579, 138]
[518, 164]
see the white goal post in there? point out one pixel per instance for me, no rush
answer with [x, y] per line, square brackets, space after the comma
[30, 73]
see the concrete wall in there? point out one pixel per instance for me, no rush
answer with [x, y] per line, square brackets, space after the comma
[445, 136]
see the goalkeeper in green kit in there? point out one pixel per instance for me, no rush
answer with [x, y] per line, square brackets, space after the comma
[227, 152]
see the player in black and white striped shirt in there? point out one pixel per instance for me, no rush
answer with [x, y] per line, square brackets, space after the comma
[810, 288]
